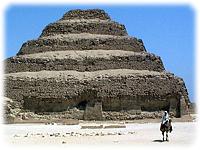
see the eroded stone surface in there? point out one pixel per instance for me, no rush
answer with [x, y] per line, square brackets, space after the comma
[87, 60]
[119, 89]
[82, 26]
[82, 42]
[86, 14]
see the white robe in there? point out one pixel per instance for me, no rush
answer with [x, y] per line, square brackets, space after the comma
[165, 118]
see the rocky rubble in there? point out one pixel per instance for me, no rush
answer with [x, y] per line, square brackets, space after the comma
[70, 117]
[11, 110]
[125, 115]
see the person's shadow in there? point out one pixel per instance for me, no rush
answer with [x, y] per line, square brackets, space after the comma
[158, 141]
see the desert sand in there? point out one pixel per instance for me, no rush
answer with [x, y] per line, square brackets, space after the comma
[99, 133]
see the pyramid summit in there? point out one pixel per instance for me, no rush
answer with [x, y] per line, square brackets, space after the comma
[83, 30]
[86, 66]
[86, 14]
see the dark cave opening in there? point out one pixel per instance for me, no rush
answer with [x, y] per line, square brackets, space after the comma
[82, 105]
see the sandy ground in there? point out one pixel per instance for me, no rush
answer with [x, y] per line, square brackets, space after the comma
[129, 133]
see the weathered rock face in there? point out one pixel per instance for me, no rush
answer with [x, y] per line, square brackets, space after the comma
[88, 62]
[82, 42]
[86, 14]
[82, 26]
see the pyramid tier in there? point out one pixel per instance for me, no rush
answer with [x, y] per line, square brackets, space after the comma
[88, 60]
[86, 14]
[119, 89]
[93, 26]
[82, 42]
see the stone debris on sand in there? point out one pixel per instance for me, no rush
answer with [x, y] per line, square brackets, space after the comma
[183, 133]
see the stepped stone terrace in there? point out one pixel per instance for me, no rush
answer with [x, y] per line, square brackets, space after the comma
[88, 62]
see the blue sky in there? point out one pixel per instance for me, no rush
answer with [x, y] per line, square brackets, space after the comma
[166, 30]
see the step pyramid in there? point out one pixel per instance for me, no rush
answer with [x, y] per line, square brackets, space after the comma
[89, 62]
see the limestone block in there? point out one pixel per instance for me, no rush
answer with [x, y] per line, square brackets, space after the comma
[93, 112]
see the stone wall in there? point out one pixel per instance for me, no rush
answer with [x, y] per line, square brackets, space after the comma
[84, 26]
[93, 112]
[193, 108]
[87, 61]
[82, 42]
[86, 14]
[117, 89]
